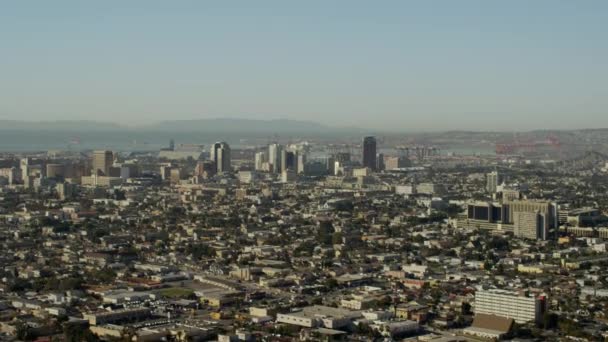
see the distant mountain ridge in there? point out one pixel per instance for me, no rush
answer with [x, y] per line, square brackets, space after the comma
[279, 126]
[241, 125]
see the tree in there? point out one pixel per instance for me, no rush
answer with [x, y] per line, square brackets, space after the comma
[418, 239]
[102, 276]
[498, 243]
[305, 249]
[76, 333]
[200, 250]
[364, 329]
[437, 216]
[336, 238]
[453, 210]
[466, 308]
[331, 283]
[19, 285]
[384, 302]
[128, 334]
[325, 232]
[23, 331]
[570, 327]
[550, 320]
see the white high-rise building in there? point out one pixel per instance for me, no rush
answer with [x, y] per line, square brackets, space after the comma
[522, 308]
[260, 159]
[274, 157]
[25, 169]
[301, 162]
[12, 175]
[492, 182]
[283, 161]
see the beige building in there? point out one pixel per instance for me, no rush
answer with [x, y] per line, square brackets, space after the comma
[526, 218]
[392, 163]
[362, 172]
[319, 316]
[102, 161]
[55, 170]
[532, 219]
[102, 181]
[112, 317]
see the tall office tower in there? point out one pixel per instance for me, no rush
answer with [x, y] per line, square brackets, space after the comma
[301, 163]
[261, 161]
[212, 151]
[522, 308]
[12, 175]
[330, 166]
[102, 161]
[129, 170]
[338, 169]
[492, 182]
[165, 171]
[369, 152]
[274, 157]
[55, 171]
[380, 162]
[392, 163]
[283, 161]
[24, 165]
[533, 219]
[220, 154]
[172, 145]
[205, 169]
[288, 160]
[175, 175]
[199, 169]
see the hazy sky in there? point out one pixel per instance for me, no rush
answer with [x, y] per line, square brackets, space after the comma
[384, 64]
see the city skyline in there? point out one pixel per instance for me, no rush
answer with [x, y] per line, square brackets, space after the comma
[310, 171]
[403, 65]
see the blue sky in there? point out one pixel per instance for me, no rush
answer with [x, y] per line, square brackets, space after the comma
[399, 65]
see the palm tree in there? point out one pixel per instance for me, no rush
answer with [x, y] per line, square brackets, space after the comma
[128, 334]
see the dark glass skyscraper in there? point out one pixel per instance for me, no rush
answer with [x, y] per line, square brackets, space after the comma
[369, 152]
[220, 155]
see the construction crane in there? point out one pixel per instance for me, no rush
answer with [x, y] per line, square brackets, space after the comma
[527, 146]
